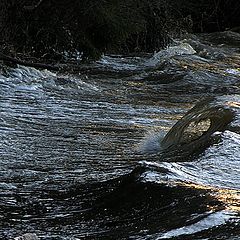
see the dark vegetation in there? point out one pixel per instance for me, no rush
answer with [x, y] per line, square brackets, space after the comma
[46, 28]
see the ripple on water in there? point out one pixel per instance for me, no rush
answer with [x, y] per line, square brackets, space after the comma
[68, 149]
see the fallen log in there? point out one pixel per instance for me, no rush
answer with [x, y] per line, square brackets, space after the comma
[7, 58]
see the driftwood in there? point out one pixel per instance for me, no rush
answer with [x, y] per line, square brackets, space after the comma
[63, 67]
[33, 7]
[7, 58]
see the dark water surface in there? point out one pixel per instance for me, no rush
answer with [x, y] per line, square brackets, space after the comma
[90, 156]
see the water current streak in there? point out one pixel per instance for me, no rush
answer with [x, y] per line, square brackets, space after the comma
[81, 154]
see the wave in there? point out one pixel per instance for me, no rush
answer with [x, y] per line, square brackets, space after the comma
[197, 126]
[133, 207]
[178, 50]
[163, 200]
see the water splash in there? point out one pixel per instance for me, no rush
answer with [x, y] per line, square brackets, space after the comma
[68, 165]
[159, 57]
[198, 125]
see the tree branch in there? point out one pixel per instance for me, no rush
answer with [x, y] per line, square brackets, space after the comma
[26, 63]
[31, 8]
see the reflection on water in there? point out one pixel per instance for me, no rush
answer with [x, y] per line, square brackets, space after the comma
[101, 154]
[195, 130]
[231, 198]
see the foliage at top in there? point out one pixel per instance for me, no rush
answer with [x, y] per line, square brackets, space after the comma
[48, 27]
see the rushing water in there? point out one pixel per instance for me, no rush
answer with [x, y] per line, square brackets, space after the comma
[92, 156]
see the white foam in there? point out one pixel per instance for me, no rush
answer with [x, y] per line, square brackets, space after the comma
[212, 220]
[151, 142]
[181, 49]
[233, 71]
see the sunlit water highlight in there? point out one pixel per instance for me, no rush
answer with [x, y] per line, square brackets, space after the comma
[82, 155]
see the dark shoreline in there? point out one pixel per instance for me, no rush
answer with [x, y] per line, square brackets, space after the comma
[44, 29]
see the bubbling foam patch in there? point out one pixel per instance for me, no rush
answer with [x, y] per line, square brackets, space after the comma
[151, 142]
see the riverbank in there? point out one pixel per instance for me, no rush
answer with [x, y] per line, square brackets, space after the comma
[85, 30]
